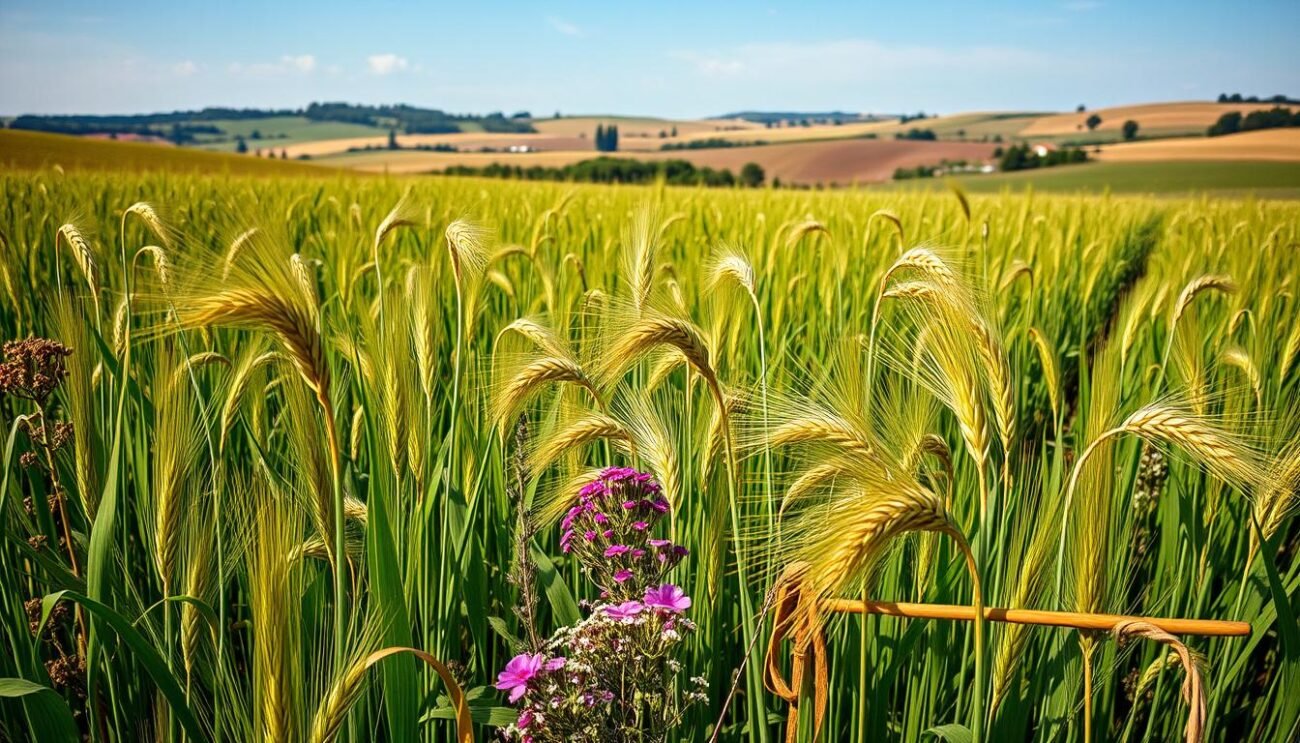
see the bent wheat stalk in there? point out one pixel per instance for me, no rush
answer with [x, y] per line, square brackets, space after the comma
[347, 688]
[1193, 689]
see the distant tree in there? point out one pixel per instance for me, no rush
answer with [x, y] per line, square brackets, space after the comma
[392, 139]
[612, 133]
[663, 134]
[1093, 122]
[284, 155]
[557, 114]
[1223, 98]
[1228, 123]
[1081, 108]
[752, 175]
[240, 145]
[673, 133]
[1016, 157]
[600, 138]
[256, 134]
[1234, 98]
[914, 133]
[1130, 129]
[521, 115]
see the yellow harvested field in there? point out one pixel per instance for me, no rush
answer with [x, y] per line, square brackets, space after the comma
[973, 125]
[1281, 145]
[759, 133]
[1188, 115]
[23, 150]
[552, 135]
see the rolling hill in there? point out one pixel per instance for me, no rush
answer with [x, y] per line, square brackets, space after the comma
[855, 151]
[34, 150]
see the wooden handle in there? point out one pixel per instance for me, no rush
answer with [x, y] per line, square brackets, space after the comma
[1102, 622]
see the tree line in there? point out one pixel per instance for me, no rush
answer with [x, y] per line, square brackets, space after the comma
[182, 126]
[415, 120]
[1271, 118]
[1237, 98]
[620, 170]
[1027, 157]
[710, 143]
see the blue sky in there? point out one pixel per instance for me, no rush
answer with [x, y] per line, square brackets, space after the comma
[664, 57]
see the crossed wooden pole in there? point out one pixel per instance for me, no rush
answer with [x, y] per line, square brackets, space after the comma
[797, 616]
[1075, 620]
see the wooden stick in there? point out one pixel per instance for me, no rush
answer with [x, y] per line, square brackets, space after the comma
[1102, 622]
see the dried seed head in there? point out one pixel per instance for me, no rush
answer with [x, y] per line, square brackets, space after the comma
[33, 368]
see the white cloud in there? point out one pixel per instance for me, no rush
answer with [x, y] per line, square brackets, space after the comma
[850, 60]
[383, 64]
[300, 62]
[710, 65]
[563, 26]
[185, 69]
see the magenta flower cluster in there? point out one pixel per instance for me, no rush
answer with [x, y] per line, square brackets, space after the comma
[612, 676]
[610, 531]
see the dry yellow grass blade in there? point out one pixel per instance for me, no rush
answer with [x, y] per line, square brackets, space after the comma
[804, 229]
[348, 685]
[1017, 269]
[912, 290]
[236, 245]
[148, 214]
[536, 332]
[1238, 358]
[581, 431]
[1193, 688]
[160, 263]
[640, 253]
[1198, 286]
[467, 244]
[1277, 499]
[1212, 447]
[82, 255]
[532, 376]
[290, 322]
[1051, 374]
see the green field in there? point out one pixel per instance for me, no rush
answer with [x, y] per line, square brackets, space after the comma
[35, 150]
[1262, 179]
[282, 131]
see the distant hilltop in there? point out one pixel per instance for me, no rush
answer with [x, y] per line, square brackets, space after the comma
[186, 127]
[812, 117]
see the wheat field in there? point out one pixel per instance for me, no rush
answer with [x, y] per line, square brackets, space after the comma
[291, 462]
